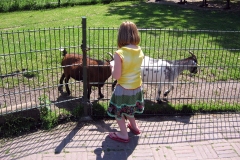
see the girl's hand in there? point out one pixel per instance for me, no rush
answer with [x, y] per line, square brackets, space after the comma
[117, 67]
[112, 64]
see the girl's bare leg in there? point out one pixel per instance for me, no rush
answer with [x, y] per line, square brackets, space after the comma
[123, 129]
[133, 123]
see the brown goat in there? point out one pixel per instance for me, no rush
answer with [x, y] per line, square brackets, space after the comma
[73, 68]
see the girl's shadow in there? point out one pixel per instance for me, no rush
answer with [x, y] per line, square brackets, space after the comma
[116, 150]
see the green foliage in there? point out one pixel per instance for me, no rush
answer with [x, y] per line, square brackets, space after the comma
[154, 108]
[30, 5]
[151, 108]
[110, 1]
[99, 109]
[19, 125]
[78, 112]
[16, 5]
[30, 74]
[48, 118]
[197, 107]
[16, 125]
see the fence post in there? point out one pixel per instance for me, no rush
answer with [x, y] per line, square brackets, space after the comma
[59, 3]
[86, 104]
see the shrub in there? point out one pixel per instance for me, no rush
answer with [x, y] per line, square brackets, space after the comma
[16, 125]
[47, 117]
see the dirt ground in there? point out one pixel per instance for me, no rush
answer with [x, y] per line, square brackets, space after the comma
[187, 90]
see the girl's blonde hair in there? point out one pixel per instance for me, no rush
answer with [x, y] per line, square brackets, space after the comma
[128, 34]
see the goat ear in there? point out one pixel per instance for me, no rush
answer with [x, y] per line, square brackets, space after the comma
[61, 49]
[108, 61]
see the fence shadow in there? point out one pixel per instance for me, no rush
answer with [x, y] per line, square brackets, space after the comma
[111, 151]
[67, 102]
[90, 138]
[68, 138]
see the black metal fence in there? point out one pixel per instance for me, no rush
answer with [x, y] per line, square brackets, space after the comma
[31, 66]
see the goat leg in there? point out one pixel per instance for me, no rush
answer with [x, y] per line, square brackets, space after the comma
[89, 91]
[100, 93]
[60, 87]
[158, 94]
[167, 92]
[66, 85]
[114, 84]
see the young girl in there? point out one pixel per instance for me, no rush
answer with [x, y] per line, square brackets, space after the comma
[127, 98]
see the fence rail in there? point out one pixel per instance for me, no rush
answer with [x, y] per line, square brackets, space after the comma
[31, 65]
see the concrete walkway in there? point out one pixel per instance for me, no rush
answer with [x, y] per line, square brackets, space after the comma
[187, 137]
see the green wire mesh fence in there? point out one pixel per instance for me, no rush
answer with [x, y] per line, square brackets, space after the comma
[31, 67]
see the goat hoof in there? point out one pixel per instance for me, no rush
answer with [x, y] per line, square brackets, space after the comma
[159, 101]
[165, 99]
[60, 88]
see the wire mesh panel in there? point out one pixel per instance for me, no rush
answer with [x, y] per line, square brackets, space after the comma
[31, 68]
[214, 86]
[218, 61]
[102, 44]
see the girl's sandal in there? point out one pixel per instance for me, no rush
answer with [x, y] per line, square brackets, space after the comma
[136, 132]
[115, 137]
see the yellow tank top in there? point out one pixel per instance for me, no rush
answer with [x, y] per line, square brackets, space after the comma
[131, 67]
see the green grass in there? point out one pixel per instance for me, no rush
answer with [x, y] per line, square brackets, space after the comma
[30, 39]
[16, 5]
[151, 108]
[145, 15]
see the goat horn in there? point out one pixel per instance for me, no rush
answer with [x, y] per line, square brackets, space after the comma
[191, 52]
[110, 54]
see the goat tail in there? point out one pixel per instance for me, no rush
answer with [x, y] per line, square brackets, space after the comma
[63, 50]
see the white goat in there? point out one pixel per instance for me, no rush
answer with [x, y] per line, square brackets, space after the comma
[154, 71]
[158, 70]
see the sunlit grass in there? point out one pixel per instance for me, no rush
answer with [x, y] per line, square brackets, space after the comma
[100, 109]
[30, 40]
